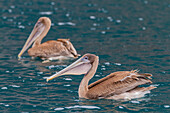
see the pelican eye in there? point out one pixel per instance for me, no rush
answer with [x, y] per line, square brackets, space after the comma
[86, 57]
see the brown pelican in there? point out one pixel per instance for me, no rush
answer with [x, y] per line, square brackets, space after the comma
[50, 50]
[117, 85]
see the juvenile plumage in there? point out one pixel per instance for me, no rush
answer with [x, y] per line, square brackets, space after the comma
[50, 50]
[117, 85]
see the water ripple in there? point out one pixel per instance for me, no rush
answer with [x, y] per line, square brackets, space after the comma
[124, 35]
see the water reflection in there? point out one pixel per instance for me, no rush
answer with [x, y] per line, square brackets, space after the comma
[44, 67]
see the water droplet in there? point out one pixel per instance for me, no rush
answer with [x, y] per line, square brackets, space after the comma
[69, 91]
[52, 3]
[21, 26]
[110, 18]
[39, 72]
[41, 84]
[52, 24]
[97, 75]
[155, 85]
[87, 107]
[34, 106]
[103, 32]
[67, 79]
[10, 10]
[71, 23]
[46, 13]
[4, 88]
[58, 109]
[103, 68]
[118, 21]
[6, 105]
[118, 64]
[141, 19]
[166, 106]
[66, 23]
[19, 23]
[121, 107]
[135, 102]
[61, 23]
[146, 2]
[77, 100]
[12, 6]
[14, 86]
[92, 17]
[4, 17]
[107, 63]
[67, 85]
[67, 15]
[50, 67]
[143, 28]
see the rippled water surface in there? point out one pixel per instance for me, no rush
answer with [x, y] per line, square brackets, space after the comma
[125, 34]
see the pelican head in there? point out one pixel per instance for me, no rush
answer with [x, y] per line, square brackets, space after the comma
[39, 31]
[81, 66]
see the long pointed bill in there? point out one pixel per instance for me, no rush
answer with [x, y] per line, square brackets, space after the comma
[36, 32]
[77, 68]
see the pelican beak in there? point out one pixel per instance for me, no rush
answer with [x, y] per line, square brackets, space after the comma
[77, 68]
[36, 32]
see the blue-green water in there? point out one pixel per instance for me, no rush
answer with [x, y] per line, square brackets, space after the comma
[125, 34]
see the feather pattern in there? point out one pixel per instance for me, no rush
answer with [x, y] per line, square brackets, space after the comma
[116, 83]
[53, 48]
[48, 50]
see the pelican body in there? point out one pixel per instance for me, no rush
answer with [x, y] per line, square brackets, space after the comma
[117, 85]
[53, 49]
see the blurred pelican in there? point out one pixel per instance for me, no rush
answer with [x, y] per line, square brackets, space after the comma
[117, 85]
[50, 50]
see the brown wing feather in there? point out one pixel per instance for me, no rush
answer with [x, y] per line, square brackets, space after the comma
[49, 49]
[116, 83]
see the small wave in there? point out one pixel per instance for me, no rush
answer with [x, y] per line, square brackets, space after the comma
[6, 105]
[14, 86]
[166, 106]
[118, 64]
[46, 13]
[135, 102]
[58, 109]
[4, 88]
[67, 78]
[66, 23]
[92, 17]
[86, 107]
[107, 63]
[41, 84]
[21, 27]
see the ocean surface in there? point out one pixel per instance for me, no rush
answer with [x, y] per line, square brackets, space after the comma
[125, 34]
